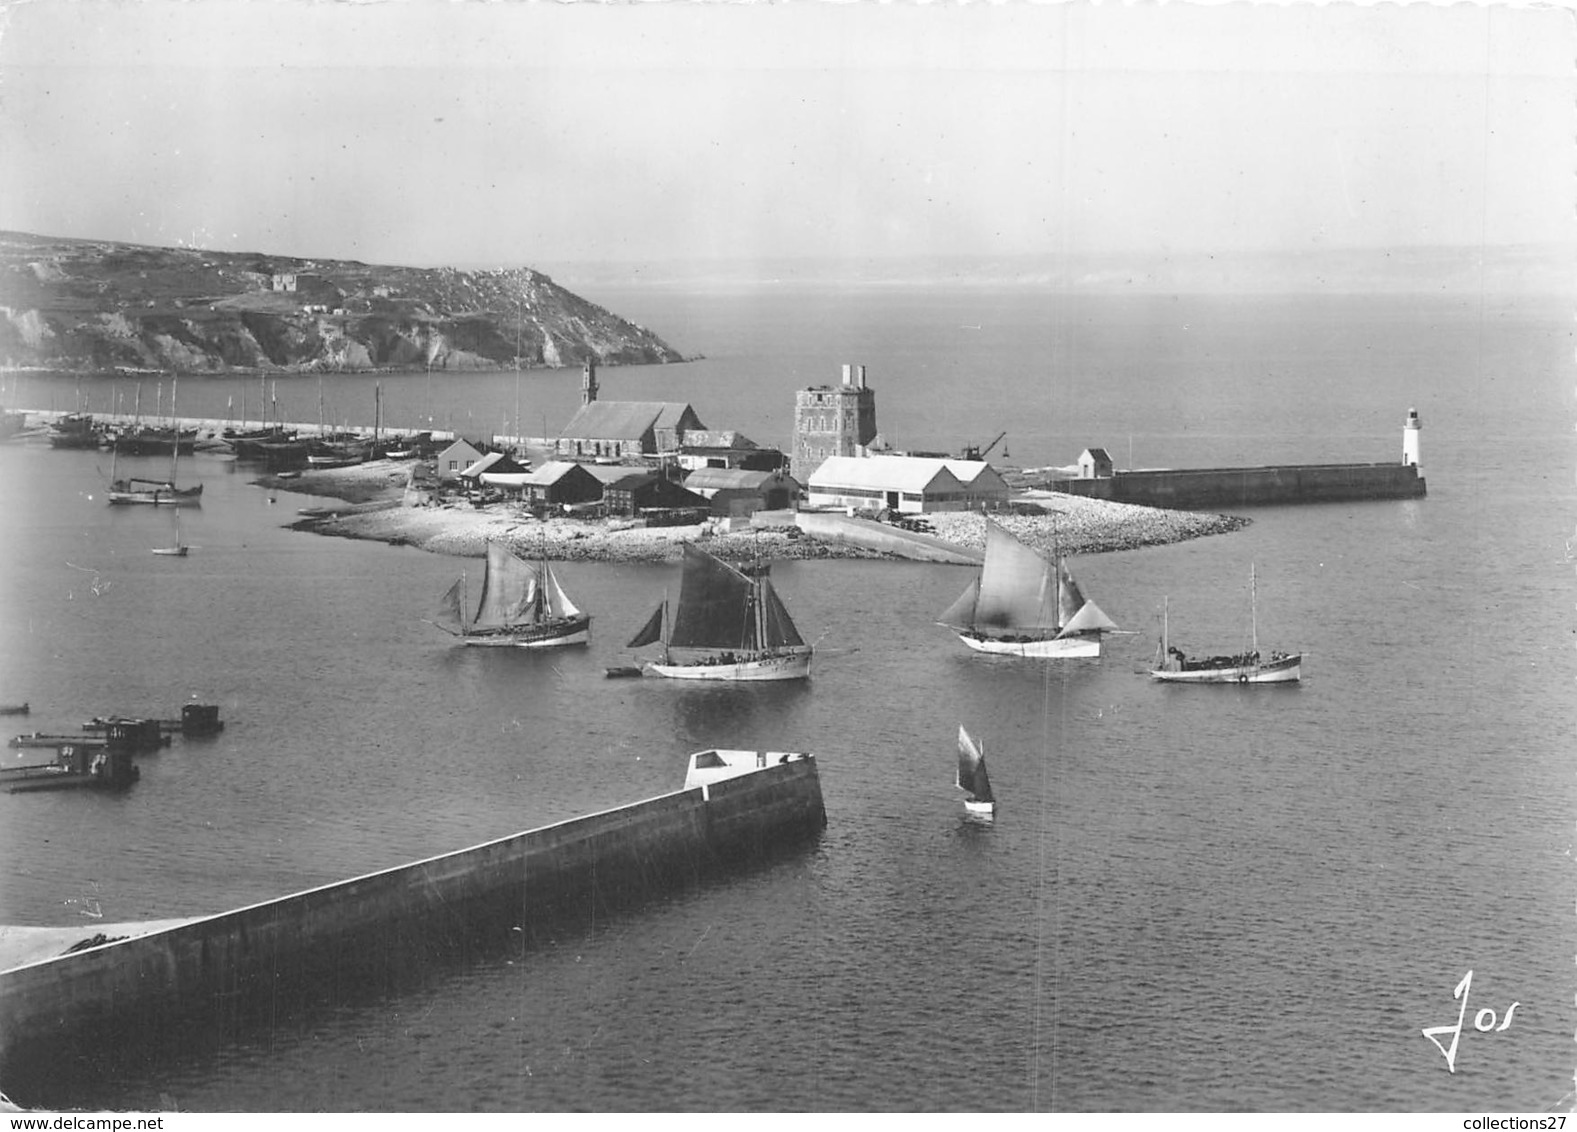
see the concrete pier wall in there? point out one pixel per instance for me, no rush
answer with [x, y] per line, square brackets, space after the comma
[1213, 488]
[881, 536]
[200, 967]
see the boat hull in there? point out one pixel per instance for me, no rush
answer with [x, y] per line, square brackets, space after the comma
[576, 631]
[1076, 646]
[158, 497]
[1285, 671]
[778, 666]
[984, 809]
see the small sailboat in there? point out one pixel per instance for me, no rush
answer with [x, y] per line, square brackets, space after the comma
[522, 605]
[1024, 604]
[158, 492]
[179, 549]
[729, 625]
[1175, 666]
[972, 777]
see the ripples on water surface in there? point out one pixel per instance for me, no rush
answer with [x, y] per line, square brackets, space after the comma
[1191, 897]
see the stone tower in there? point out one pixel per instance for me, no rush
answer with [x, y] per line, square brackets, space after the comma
[588, 382]
[832, 420]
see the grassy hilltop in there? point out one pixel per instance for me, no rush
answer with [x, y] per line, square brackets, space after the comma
[79, 306]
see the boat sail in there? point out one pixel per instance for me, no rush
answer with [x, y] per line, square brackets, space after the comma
[135, 489]
[522, 605]
[972, 776]
[179, 548]
[729, 625]
[1024, 604]
[1175, 666]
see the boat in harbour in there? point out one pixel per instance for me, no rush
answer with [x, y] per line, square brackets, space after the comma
[1024, 604]
[522, 605]
[728, 625]
[178, 549]
[972, 778]
[1175, 666]
[137, 489]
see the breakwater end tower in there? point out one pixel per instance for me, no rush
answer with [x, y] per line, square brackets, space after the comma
[1187, 489]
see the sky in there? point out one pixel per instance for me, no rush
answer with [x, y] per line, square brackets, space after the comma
[431, 132]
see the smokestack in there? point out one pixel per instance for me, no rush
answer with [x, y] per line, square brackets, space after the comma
[847, 370]
[861, 371]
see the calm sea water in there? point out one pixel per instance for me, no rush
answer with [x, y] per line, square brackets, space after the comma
[1191, 898]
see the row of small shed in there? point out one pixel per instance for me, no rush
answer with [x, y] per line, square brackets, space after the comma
[899, 484]
[626, 490]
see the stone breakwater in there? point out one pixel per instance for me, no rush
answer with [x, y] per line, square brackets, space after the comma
[1070, 524]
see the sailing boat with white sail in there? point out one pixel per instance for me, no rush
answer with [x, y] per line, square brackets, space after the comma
[729, 625]
[972, 777]
[1024, 604]
[135, 489]
[1175, 666]
[178, 549]
[522, 605]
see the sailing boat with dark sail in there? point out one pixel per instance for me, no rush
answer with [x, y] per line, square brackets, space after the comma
[972, 777]
[728, 625]
[522, 605]
[1175, 666]
[1024, 604]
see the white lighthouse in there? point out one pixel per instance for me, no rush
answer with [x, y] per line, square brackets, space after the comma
[1410, 438]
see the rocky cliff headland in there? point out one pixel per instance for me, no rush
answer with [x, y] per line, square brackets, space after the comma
[88, 306]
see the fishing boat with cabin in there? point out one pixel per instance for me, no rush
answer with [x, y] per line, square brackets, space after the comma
[1174, 666]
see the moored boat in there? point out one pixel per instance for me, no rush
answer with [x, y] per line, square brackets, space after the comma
[728, 625]
[522, 605]
[157, 492]
[1024, 604]
[76, 766]
[75, 430]
[1175, 666]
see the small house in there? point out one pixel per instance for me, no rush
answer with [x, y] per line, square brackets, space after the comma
[736, 492]
[727, 448]
[455, 459]
[560, 483]
[642, 491]
[1095, 464]
[496, 469]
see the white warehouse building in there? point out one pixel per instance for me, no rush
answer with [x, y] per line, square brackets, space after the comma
[905, 484]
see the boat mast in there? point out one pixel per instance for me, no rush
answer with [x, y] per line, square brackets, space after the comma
[1253, 608]
[175, 422]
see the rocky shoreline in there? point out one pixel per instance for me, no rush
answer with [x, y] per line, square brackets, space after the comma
[374, 509]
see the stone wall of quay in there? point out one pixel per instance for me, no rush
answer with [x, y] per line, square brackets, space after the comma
[1213, 488]
[205, 970]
